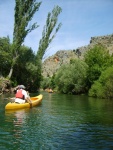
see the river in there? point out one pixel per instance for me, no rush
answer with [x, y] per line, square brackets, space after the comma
[61, 122]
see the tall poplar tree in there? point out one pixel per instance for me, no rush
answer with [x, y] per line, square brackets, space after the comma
[49, 28]
[24, 12]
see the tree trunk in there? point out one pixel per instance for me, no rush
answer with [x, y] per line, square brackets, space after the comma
[10, 73]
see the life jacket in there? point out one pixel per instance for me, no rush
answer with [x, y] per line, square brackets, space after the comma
[19, 94]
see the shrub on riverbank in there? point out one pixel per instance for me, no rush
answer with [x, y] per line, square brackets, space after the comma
[103, 88]
[97, 59]
[71, 78]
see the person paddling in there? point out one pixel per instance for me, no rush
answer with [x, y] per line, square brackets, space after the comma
[22, 96]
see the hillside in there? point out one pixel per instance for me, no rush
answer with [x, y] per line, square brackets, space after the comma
[52, 63]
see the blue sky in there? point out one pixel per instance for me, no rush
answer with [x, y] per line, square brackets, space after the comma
[81, 20]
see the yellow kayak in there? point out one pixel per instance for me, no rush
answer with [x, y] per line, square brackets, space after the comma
[35, 101]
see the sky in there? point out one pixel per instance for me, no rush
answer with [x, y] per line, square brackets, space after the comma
[81, 20]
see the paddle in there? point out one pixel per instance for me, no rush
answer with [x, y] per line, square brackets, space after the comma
[11, 98]
[29, 101]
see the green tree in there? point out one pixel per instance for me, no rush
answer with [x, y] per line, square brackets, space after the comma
[48, 34]
[24, 12]
[71, 78]
[27, 74]
[30, 72]
[103, 87]
[5, 56]
[97, 60]
[48, 29]
[46, 83]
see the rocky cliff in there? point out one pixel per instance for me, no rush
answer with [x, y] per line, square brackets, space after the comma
[52, 63]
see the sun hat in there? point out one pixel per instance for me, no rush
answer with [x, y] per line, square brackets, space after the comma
[21, 87]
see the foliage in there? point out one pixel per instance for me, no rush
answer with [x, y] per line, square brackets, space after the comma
[96, 90]
[97, 60]
[24, 12]
[46, 39]
[103, 87]
[47, 36]
[48, 82]
[5, 56]
[18, 62]
[45, 83]
[71, 78]
[26, 71]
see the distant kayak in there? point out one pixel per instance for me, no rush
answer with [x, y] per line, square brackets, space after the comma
[50, 91]
[35, 101]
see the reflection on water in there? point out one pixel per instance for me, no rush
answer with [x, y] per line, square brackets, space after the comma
[18, 120]
[62, 122]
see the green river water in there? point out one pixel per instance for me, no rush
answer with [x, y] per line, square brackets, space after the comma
[61, 122]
